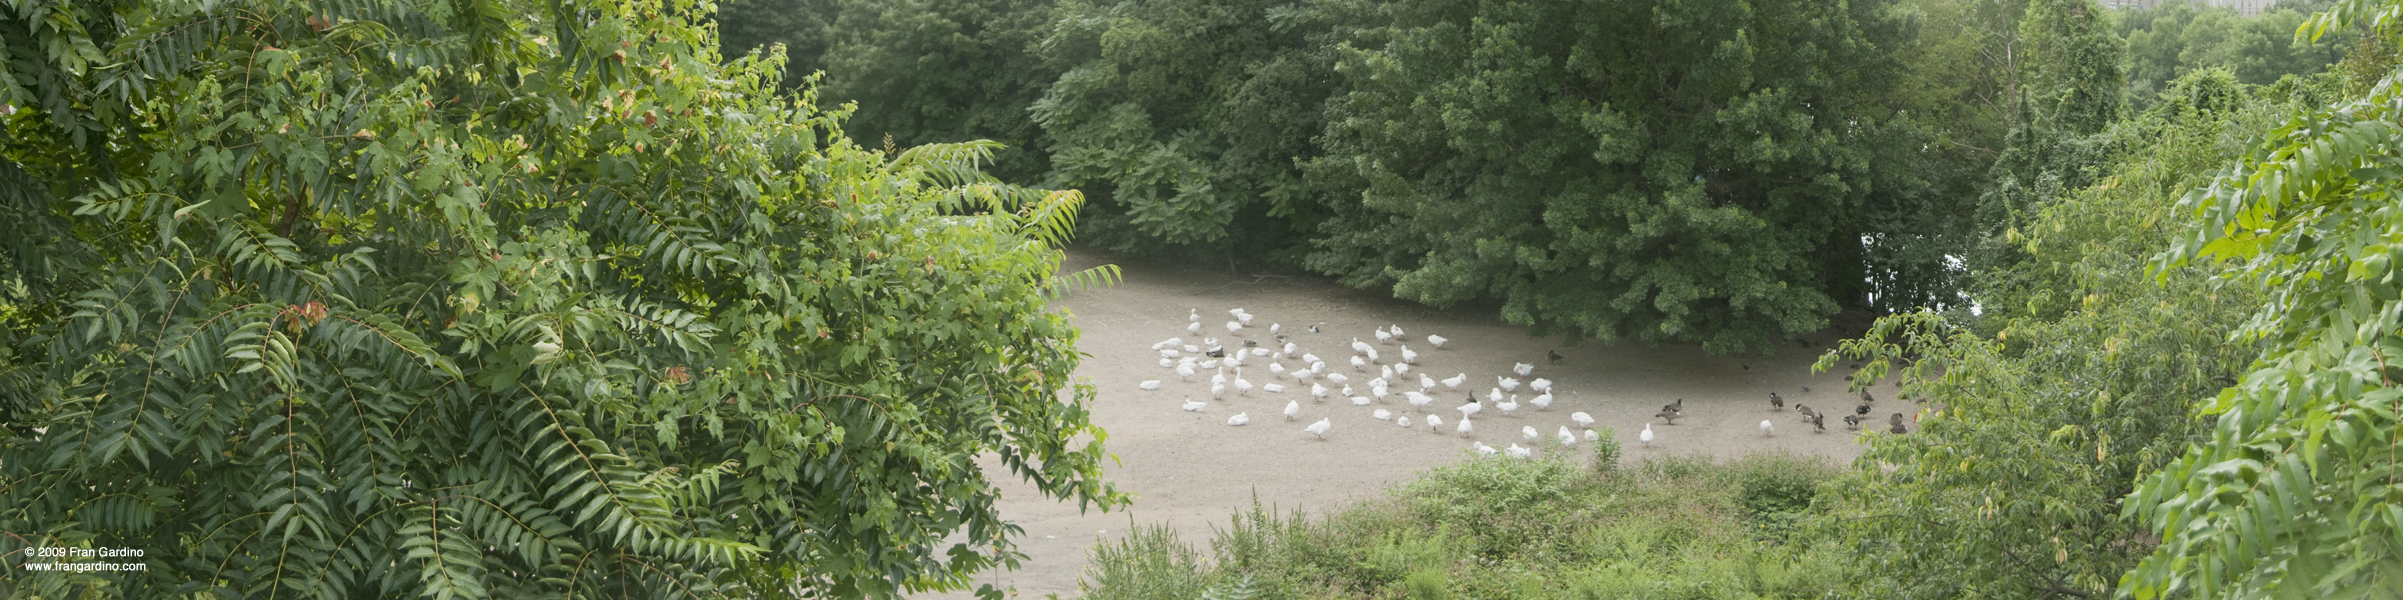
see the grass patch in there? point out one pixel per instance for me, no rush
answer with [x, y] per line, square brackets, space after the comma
[1493, 527]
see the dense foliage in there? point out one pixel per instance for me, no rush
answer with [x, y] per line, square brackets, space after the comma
[2178, 38]
[500, 298]
[2296, 492]
[1662, 528]
[1184, 119]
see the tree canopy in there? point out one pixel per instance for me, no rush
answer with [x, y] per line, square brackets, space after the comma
[502, 298]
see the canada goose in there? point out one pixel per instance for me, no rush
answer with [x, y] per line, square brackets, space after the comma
[1866, 398]
[1899, 429]
[1251, 343]
[1671, 415]
[1820, 422]
[1897, 421]
[1853, 422]
[1555, 357]
[1314, 328]
[1862, 409]
[1804, 410]
[1776, 402]
[1216, 353]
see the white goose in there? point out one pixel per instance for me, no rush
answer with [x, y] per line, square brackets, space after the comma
[1540, 384]
[1240, 419]
[1218, 390]
[1509, 384]
[1383, 337]
[1320, 428]
[1434, 423]
[1184, 371]
[1409, 357]
[1195, 316]
[1425, 382]
[1543, 402]
[1595, 436]
[1318, 391]
[1585, 420]
[1517, 452]
[1469, 409]
[1372, 355]
[1453, 383]
[1293, 407]
[1464, 428]
[1482, 449]
[1403, 421]
[1566, 438]
[1339, 378]
[1242, 386]
[1195, 328]
[1273, 388]
[1234, 327]
[1397, 333]
[1523, 369]
[1403, 368]
[1359, 346]
[1195, 405]
[1419, 400]
[1150, 384]
[1359, 400]
[1646, 436]
[1310, 358]
[1767, 428]
[1170, 353]
[1277, 369]
[1508, 407]
[1292, 348]
[1167, 364]
[1529, 432]
[1382, 415]
[1358, 362]
[1437, 340]
[1385, 371]
[1495, 395]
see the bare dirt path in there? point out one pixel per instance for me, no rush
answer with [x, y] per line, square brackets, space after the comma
[1191, 471]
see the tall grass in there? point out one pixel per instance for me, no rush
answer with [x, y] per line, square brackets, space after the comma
[1496, 528]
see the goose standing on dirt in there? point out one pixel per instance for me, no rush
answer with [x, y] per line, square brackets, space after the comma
[1508, 407]
[1234, 327]
[1555, 357]
[1318, 391]
[1195, 328]
[1397, 332]
[1566, 438]
[1403, 421]
[1437, 341]
[1383, 337]
[1320, 428]
[1494, 395]
[1381, 415]
[1540, 384]
[1240, 419]
[1425, 382]
[1358, 363]
[1671, 415]
[1167, 364]
[1464, 428]
[1469, 409]
[1276, 328]
[1242, 386]
[1776, 402]
[1529, 432]
[1434, 423]
[1586, 420]
[1767, 428]
[1359, 346]
[1593, 436]
[1508, 384]
[1184, 371]
[1523, 369]
[1646, 436]
[1409, 357]
[1385, 372]
[1542, 403]
[1853, 422]
[1292, 408]
[1804, 410]
[1419, 400]
[1347, 391]
[1454, 382]
[1218, 390]
[1277, 369]
[1196, 316]
[1402, 368]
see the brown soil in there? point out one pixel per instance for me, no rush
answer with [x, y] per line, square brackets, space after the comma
[1192, 472]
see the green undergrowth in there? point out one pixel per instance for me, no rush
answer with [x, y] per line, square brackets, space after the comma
[1493, 528]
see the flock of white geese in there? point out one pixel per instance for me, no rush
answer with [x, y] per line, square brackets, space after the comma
[1374, 384]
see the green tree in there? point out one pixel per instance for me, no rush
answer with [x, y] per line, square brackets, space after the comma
[2177, 38]
[2295, 492]
[1185, 119]
[2023, 440]
[1697, 170]
[501, 298]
